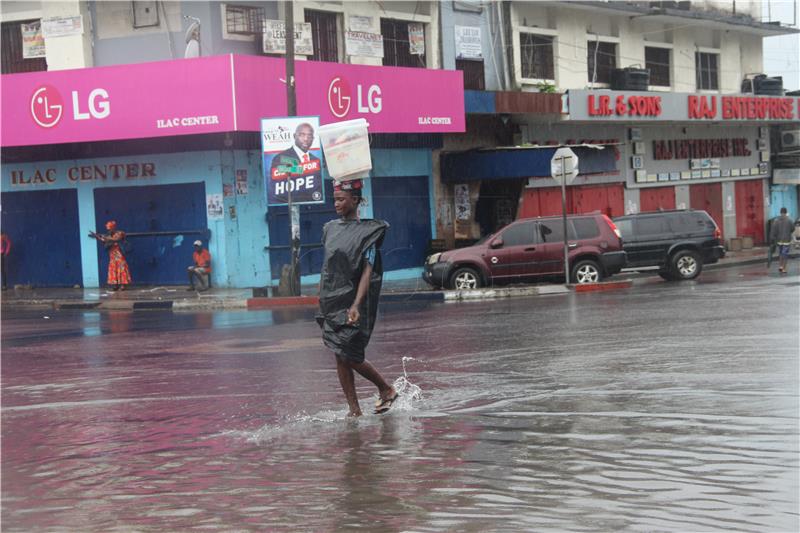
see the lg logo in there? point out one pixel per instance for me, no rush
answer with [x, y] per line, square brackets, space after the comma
[47, 106]
[340, 98]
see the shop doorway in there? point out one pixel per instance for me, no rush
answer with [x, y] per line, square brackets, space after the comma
[656, 199]
[169, 217]
[708, 197]
[44, 232]
[750, 210]
[403, 202]
[497, 204]
[608, 199]
[783, 195]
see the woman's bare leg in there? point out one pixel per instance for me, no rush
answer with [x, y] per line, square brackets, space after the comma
[347, 381]
[371, 373]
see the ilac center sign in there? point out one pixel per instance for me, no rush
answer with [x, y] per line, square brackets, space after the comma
[626, 106]
[146, 100]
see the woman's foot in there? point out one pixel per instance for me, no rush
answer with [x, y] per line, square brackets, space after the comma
[387, 398]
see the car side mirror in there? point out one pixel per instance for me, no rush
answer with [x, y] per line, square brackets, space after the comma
[496, 243]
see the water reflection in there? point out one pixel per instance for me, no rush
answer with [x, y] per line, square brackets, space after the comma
[574, 413]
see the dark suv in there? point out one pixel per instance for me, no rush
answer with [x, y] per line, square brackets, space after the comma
[532, 248]
[679, 243]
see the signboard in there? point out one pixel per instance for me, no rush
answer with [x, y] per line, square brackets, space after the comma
[275, 38]
[628, 106]
[110, 103]
[564, 162]
[32, 40]
[462, 202]
[359, 23]
[416, 38]
[391, 99]
[361, 43]
[468, 42]
[62, 26]
[292, 160]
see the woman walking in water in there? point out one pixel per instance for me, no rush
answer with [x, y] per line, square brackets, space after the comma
[118, 273]
[350, 285]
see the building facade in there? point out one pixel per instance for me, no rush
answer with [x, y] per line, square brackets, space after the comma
[170, 148]
[697, 55]
[466, 101]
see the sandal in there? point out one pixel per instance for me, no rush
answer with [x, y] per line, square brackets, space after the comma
[381, 406]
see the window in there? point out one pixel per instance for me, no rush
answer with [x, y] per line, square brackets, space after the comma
[585, 228]
[244, 20]
[706, 67]
[606, 61]
[536, 55]
[650, 226]
[519, 234]
[145, 14]
[12, 50]
[473, 74]
[324, 35]
[656, 60]
[396, 51]
[625, 228]
[553, 231]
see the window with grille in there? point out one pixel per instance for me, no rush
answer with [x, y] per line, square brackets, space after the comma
[606, 60]
[324, 34]
[657, 61]
[244, 20]
[707, 70]
[536, 54]
[473, 74]
[11, 49]
[396, 49]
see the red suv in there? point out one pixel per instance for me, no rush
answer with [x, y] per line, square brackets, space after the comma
[532, 248]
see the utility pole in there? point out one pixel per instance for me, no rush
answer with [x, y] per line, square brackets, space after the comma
[291, 105]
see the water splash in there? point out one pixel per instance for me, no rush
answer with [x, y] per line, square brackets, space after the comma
[408, 392]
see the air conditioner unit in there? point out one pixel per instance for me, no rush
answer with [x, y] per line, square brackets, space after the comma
[790, 139]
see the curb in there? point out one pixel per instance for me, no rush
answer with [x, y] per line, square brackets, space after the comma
[495, 294]
[425, 296]
[603, 286]
[262, 302]
[76, 305]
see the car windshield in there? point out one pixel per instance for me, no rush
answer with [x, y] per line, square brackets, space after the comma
[484, 239]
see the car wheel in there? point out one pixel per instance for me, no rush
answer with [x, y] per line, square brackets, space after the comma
[586, 271]
[465, 278]
[666, 275]
[686, 264]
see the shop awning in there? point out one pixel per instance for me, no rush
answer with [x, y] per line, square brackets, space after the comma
[221, 94]
[520, 162]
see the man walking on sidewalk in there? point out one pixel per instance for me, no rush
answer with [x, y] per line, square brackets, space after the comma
[780, 234]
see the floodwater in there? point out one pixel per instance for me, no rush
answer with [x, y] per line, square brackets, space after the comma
[666, 407]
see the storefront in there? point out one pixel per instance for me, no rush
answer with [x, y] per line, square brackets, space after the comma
[165, 198]
[698, 151]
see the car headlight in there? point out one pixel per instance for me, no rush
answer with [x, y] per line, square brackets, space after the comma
[434, 258]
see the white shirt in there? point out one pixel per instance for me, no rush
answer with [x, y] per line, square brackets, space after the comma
[300, 153]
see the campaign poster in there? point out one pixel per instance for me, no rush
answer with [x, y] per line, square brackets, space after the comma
[292, 160]
[241, 182]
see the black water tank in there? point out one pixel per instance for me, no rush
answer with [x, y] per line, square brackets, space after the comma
[762, 84]
[630, 79]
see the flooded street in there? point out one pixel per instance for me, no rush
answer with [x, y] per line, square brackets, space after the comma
[665, 407]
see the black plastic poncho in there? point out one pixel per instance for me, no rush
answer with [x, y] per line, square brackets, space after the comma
[346, 242]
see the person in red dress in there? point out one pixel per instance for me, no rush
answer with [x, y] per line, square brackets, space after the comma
[118, 274]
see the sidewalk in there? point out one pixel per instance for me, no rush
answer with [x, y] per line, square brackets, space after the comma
[178, 298]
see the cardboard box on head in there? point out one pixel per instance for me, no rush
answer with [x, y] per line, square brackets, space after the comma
[346, 148]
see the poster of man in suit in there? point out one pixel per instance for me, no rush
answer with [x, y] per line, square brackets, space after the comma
[292, 154]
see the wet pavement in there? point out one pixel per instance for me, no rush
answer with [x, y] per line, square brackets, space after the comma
[666, 407]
